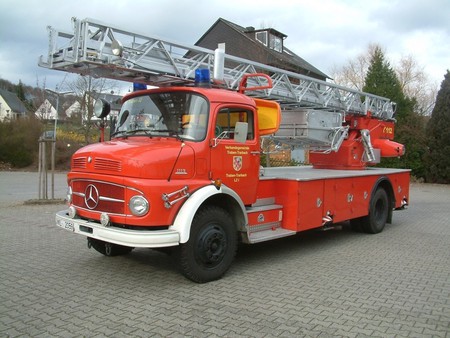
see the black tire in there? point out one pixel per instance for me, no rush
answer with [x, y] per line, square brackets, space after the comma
[211, 247]
[375, 221]
[108, 249]
[356, 224]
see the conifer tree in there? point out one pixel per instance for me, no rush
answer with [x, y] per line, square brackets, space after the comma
[20, 92]
[382, 80]
[438, 136]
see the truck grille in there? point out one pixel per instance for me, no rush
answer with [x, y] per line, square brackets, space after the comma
[79, 163]
[101, 164]
[98, 196]
[105, 164]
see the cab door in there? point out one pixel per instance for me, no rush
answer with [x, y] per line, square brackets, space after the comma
[236, 164]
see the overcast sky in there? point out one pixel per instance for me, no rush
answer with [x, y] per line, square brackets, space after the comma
[326, 33]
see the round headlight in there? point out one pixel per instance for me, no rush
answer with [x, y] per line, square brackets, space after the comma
[101, 108]
[138, 205]
[72, 212]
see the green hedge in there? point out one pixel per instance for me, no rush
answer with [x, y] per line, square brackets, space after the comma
[19, 142]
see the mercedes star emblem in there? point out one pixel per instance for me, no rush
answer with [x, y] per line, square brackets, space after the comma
[91, 196]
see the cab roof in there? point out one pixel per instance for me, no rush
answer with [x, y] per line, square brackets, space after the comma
[212, 94]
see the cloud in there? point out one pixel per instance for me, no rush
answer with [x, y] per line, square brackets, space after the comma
[414, 15]
[326, 33]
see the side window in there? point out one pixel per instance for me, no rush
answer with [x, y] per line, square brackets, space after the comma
[226, 122]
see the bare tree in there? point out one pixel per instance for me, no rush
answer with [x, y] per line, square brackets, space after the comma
[85, 89]
[416, 84]
[413, 79]
[353, 73]
[42, 109]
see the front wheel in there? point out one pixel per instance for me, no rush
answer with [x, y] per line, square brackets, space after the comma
[211, 247]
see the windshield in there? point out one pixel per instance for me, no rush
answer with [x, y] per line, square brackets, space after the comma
[177, 114]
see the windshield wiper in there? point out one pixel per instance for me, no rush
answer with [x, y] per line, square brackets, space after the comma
[170, 132]
[131, 132]
[117, 132]
[148, 132]
[163, 130]
[134, 131]
[174, 133]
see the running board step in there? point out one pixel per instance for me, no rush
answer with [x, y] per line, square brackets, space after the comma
[264, 222]
[267, 235]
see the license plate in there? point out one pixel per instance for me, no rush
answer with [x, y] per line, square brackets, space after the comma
[67, 225]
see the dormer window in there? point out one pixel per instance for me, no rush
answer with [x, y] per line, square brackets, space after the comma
[262, 37]
[275, 43]
[271, 38]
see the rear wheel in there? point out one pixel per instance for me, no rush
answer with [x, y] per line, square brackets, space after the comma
[378, 215]
[211, 247]
[108, 249]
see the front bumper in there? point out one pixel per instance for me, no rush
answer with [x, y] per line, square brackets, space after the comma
[131, 238]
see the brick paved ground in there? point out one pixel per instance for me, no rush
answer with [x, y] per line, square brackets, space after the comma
[329, 284]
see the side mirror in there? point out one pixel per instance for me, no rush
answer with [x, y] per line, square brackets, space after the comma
[101, 108]
[240, 132]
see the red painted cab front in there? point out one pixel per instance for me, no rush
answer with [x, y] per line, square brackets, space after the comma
[167, 144]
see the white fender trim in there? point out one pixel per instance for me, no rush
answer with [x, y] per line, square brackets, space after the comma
[185, 216]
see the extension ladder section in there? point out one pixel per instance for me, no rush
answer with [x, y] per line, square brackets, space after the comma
[101, 50]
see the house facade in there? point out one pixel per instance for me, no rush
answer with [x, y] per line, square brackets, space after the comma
[11, 108]
[46, 111]
[70, 107]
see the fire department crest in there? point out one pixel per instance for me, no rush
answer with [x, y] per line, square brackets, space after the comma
[237, 163]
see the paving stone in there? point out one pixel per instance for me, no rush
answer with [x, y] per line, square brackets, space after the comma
[331, 284]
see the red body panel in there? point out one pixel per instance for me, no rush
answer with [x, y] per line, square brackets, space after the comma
[308, 202]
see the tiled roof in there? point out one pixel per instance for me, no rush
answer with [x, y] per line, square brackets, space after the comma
[286, 60]
[13, 101]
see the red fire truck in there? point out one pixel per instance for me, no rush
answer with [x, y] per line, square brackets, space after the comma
[182, 169]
